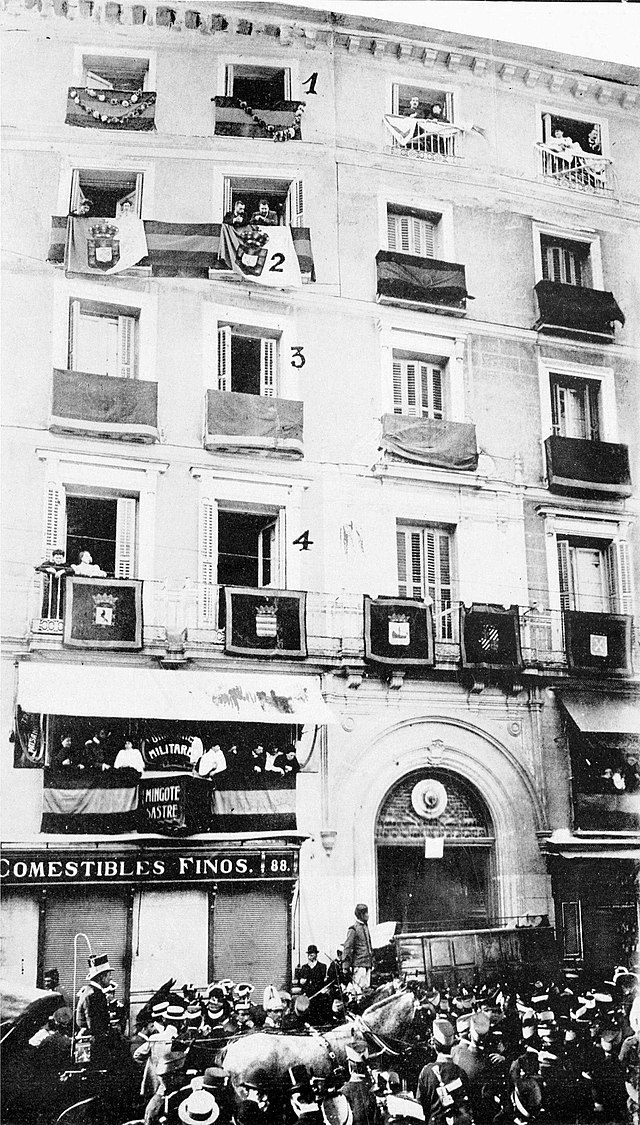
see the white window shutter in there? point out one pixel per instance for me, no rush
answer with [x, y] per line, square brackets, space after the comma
[228, 81]
[437, 404]
[412, 390]
[392, 227]
[564, 574]
[287, 84]
[267, 367]
[96, 81]
[138, 194]
[395, 98]
[298, 204]
[54, 530]
[417, 565]
[397, 387]
[125, 537]
[224, 357]
[428, 239]
[401, 549]
[76, 191]
[267, 561]
[74, 324]
[557, 407]
[405, 234]
[619, 575]
[127, 346]
[227, 196]
[208, 559]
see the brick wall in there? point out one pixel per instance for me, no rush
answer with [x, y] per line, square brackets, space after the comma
[463, 818]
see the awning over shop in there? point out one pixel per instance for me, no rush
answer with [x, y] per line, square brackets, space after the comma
[149, 693]
[595, 713]
[565, 845]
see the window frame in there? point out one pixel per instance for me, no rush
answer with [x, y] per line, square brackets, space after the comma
[136, 167]
[80, 52]
[442, 631]
[546, 110]
[236, 59]
[563, 524]
[120, 315]
[294, 200]
[444, 350]
[550, 368]
[443, 245]
[271, 325]
[422, 410]
[444, 88]
[145, 306]
[591, 239]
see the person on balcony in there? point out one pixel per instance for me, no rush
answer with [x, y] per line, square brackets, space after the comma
[414, 108]
[237, 216]
[86, 567]
[357, 952]
[54, 571]
[129, 758]
[264, 216]
[212, 761]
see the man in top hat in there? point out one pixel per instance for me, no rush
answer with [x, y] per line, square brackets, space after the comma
[442, 1085]
[311, 978]
[302, 1097]
[357, 952]
[92, 1009]
[357, 1090]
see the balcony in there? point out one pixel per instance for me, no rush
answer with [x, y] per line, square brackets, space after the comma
[168, 250]
[598, 643]
[253, 423]
[577, 467]
[490, 637]
[265, 622]
[398, 632]
[423, 283]
[103, 406]
[576, 170]
[133, 110]
[577, 312]
[430, 441]
[424, 139]
[234, 118]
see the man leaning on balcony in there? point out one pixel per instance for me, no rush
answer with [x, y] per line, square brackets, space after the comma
[54, 571]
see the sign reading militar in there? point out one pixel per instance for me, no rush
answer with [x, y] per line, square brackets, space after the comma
[103, 613]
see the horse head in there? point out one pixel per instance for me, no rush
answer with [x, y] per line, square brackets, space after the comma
[391, 1016]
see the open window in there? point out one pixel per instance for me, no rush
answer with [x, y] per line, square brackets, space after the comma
[247, 360]
[112, 72]
[103, 339]
[575, 407]
[105, 525]
[285, 197]
[418, 386]
[247, 549]
[425, 570]
[424, 102]
[106, 193]
[594, 575]
[587, 134]
[410, 231]
[262, 87]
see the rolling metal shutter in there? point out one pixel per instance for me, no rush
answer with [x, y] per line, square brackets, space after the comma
[250, 936]
[102, 916]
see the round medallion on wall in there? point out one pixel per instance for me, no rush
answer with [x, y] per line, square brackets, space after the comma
[348, 723]
[429, 798]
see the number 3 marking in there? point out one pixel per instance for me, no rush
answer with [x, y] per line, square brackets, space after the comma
[297, 357]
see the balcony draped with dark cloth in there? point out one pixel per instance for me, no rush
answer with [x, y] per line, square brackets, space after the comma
[576, 309]
[576, 466]
[604, 744]
[111, 109]
[265, 622]
[232, 120]
[89, 801]
[103, 613]
[598, 642]
[180, 804]
[177, 249]
[254, 422]
[430, 441]
[490, 637]
[398, 632]
[423, 281]
[104, 406]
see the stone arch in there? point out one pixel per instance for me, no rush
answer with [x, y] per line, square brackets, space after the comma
[499, 776]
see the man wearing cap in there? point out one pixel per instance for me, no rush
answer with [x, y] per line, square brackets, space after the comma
[357, 952]
[311, 978]
[442, 1086]
[484, 1071]
[92, 1009]
[357, 1091]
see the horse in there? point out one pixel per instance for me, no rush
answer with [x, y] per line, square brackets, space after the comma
[263, 1058]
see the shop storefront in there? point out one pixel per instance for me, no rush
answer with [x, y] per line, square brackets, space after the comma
[196, 912]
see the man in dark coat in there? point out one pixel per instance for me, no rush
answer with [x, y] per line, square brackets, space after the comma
[442, 1086]
[92, 1009]
[357, 1091]
[357, 952]
[311, 978]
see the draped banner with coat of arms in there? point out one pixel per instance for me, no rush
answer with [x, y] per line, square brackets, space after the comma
[104, 246]
[265, 255]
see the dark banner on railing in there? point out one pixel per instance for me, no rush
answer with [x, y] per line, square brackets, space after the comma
[76, 800]
[398, 632]
[490, 637]
[103, 614]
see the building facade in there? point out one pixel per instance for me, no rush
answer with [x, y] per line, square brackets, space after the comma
[358, 483]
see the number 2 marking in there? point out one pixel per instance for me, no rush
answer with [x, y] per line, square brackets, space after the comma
[278, 262]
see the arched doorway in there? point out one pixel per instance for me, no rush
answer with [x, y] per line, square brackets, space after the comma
[434, 851]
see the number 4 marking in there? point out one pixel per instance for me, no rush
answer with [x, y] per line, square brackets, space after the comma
[304, 541]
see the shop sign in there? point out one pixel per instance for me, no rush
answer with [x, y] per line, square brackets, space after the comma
[177, 866]
[179, 803]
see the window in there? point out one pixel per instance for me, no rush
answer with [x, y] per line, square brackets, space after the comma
[594, 576]
[262, 87]
[587, 134]
[565, 261]
[103, 339]
[417, 387]
[425, 570]
[102, 192]
[285, 197]
[246, 361]
[238, 547]
[411, 232]
[422, 102]
[112, 72]
[575, 407]
[106, 526]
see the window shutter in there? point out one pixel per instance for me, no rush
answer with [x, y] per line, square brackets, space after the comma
[96, 81]
[395, 98]
[431, 391]
[267, 367]
[428, 238]
[410, 566]
[224, 357]
[401, 551]
[397, 387]
[564, 574]
[546, 273]
[431, 567]
[138, 195]
[593, 392]
[437, 404]
[287, 84]
[228, 81]
[126, 346]
[76, 191]
[556, 408]
[125, 537]
[53, 519]
[74, 324]
[208, 557]
[298, 196]
[412, 404]
[444, 578]
[405, 234]
[392, 223]
[227, 196]
[267, 561]
[619, 575]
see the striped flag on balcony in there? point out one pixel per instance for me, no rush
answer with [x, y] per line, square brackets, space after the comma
[89, 801]
[259, 802]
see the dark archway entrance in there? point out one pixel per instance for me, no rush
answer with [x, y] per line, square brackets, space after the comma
[423, 891]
